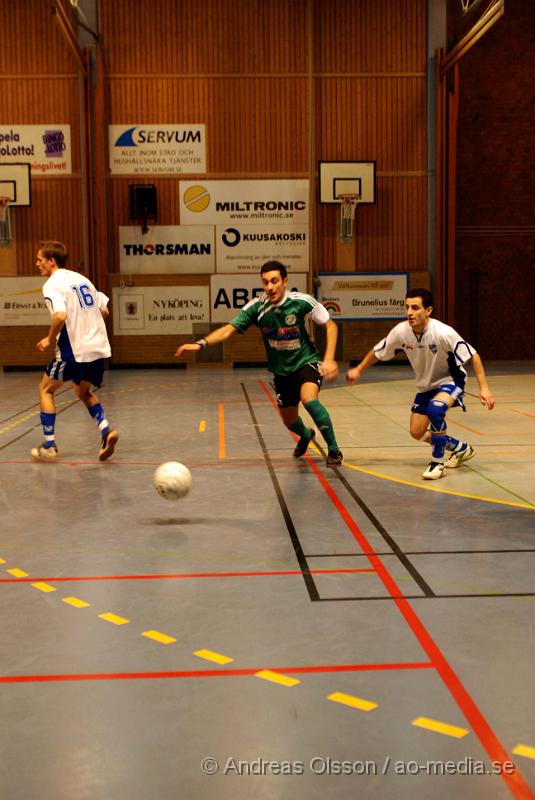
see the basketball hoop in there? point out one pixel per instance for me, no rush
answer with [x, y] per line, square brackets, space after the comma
[4, 203]
[5, 222]
[348, 207]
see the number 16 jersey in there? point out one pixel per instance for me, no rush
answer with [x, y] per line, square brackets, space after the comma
[83, 338]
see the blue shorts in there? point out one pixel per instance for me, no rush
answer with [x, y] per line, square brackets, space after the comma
[422, 399]
[77, 371]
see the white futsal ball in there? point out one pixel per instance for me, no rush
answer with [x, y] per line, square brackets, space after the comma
[172, 480]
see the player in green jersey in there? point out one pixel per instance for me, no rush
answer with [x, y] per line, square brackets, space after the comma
[284, 320]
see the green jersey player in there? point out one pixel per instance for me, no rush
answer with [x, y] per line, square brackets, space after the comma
[284, 318]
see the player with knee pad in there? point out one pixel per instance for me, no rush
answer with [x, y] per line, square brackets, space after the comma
[437, 354]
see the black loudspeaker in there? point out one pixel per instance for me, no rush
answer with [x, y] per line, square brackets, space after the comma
[143, 203]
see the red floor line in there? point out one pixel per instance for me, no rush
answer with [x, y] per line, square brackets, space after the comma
[471, 712]
[180, 576]
[208, 673]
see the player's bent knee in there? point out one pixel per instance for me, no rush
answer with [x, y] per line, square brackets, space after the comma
[436, 411]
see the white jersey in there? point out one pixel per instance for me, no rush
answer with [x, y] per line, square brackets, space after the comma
[83, 337]
[437, 355]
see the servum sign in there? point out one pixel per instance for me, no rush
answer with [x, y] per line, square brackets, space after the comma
[157, 149]
[255, 202]
[167, 248]
[244, 248]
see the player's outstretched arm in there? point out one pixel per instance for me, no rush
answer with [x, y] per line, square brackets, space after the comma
[354, 375]
[215, 337]
[329, 367]
[57, 323]
[485, 396]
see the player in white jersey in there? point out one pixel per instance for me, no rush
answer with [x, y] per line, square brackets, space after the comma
[79, 334]
[437, 354]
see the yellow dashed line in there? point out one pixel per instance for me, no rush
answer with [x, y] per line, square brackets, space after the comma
[44, 587]
[113, 618]
[209, 655]
[202, 426]
[2, 561]
[350, 700]
[524, 750]
[440, 727]
[275, 677]
[75, 601]
[17, 573]
[159, 637]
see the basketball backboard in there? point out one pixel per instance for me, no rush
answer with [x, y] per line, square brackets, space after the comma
[347, 178]
[15, 183]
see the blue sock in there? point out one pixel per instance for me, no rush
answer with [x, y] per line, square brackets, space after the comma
[48, 421]
[452, 443]
[97, 412]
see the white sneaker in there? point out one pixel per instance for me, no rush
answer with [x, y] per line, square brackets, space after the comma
[45, 453]
[457, 458]
[434, 471]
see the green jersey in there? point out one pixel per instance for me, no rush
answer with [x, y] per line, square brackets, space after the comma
[285, 329]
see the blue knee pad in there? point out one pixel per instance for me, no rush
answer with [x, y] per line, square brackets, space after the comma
[436, 411]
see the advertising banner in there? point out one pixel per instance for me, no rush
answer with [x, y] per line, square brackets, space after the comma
[149, 310]
[366, 295]
[229, 293]
[180, 249]
[22, 302]
[47, 148]
[245, 248]
[254, 202]
[157, 149]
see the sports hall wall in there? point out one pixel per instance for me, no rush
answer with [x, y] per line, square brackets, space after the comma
[495, 232]
[279, 85]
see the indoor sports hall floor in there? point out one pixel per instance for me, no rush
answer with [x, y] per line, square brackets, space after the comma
[286, 631]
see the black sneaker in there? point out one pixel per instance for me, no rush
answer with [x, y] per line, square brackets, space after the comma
[334, 458]
[302, 444]
[109, 440]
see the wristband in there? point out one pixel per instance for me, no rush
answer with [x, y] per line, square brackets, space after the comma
[203, 343]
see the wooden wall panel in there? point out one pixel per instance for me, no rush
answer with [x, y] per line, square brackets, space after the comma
[213, 38]
[279, 84]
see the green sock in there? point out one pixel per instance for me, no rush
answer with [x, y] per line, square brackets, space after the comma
[300, 429]
[321, 417]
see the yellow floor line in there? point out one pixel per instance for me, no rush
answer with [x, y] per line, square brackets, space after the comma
[436, 489]
[76, 602]
[159, 637]
[113, 618]
[524, 750]
[221, 426]
[17, 573]
[350, 700]
[275, 677]
[440, 727]
[2, 561]
[44, 587]
[209, 655]
[202, 426]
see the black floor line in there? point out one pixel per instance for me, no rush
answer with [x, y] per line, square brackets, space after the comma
[34, 427]
[301, 560]
[474, 596]
[28, 408]
[424, 553]
[396, 550]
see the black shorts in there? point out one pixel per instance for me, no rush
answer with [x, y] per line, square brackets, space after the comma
[288, 387]
[77, 371]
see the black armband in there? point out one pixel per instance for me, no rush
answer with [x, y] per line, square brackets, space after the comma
[203, 343]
